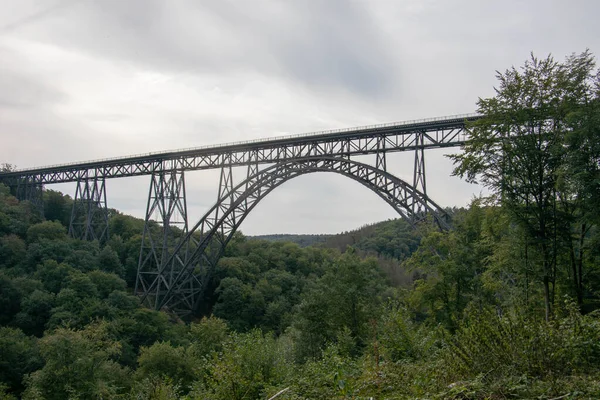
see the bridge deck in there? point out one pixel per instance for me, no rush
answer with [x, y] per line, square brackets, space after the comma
[438, 132]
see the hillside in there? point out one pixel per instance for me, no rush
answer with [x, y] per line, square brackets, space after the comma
[394, 239]
[302, 240]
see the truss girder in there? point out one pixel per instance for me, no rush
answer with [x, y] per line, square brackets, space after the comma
[376, 140]
[206, 241]
[89, 214]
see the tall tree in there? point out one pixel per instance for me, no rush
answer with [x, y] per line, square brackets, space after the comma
[518, 149]
[579, 183]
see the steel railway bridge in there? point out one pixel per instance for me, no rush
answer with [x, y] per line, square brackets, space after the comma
[176, 259]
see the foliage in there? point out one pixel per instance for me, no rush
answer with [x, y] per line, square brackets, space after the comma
[248, 364]
[78, 364]
[512, 344]
[46, 230]
[207, 336]
[347, 296]
[163, 361]
[20, 356]
[536, 149]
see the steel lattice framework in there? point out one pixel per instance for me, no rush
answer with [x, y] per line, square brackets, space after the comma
[89, 215]
[175, 262]
[379, 139]
[179, 282]
[30, 189]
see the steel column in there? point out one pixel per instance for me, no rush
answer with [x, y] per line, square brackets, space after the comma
[225, 193]
[380, 162]
[89, 215]
[165, 225]
[31, 189]
[419, 182]
[252, 165]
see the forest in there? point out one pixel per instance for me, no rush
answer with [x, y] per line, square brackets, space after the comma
[503, 305]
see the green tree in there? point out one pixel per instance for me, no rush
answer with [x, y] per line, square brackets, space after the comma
[35, 312]
[84, 260]
[57, 207]
[12, 251]
[50, 230]
[108, 260]
[517, 150]
[106, 283]
[10, 299]
[240, 304]
[78, 363]
[347, 296]
[448, 267]
[19, 356]
[37, 253]
[579, 179]
[15, 216]
[207, 336]
[82, 285]
[53, 275]
[161, 360]
[141, 327]
[249, 363]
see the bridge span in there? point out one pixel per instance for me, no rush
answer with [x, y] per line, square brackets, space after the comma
[177, 260]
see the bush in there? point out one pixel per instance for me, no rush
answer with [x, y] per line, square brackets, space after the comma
[248, 364]
[513, 345]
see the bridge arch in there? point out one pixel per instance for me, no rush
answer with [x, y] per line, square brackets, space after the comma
[179, 282]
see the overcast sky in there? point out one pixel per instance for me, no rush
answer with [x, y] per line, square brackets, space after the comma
[89, 79]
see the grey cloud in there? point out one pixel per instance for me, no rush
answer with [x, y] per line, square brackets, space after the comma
[319, 42]
[20, 89]
[31, 18]
[322, 44]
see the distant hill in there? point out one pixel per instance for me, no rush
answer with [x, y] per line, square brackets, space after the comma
[394, 239]
[390, 241]
[301, 240]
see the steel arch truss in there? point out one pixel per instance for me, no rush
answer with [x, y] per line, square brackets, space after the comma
[191, 264]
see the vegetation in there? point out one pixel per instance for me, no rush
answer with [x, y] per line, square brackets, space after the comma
[301, 240]
[504, 305]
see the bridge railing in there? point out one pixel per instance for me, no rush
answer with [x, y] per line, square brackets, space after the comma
[252, 141]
